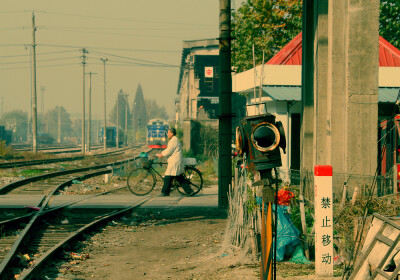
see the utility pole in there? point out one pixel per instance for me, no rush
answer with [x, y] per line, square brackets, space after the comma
[117, 121]
[84, 51]
[225, 114]
[90, 108]
[29, 130]
[104, 60]
[34, 105]
[59, 125]
[126, 119]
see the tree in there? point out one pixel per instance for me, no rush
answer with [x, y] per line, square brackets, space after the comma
[52, 118]
[154, 111]
[139, 115]
[389, 21]
[17, 121]
[124, 114]
[269, 25]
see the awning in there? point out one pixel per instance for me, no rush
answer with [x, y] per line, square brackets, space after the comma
[293, 93]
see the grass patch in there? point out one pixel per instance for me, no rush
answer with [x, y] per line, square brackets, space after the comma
[32, 172]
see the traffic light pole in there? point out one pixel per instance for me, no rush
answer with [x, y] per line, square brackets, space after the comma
[225, 114]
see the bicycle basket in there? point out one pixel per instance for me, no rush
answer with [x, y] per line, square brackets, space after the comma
[144, 162]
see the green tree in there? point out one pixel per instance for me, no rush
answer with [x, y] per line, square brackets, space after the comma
[17, 121]
[124, 114]
[269, 25]
[389, 21]
[154, 111]
[139, 114]
[52, 118]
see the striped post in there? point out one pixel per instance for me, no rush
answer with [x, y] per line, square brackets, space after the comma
[323, 220]
[266, 242]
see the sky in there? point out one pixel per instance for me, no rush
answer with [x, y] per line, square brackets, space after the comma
[142, 40]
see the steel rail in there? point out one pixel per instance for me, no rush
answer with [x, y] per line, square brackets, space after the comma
[40, 263]
[42, 211]
[53, 160]
[41, 215]
[7, 188]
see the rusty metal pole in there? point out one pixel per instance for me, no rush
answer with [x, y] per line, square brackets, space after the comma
[34, 96]
[84, 51]
[225, 114]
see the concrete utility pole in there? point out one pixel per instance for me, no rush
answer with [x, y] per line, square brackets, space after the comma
[90, 109]
[340, 88]
[34, 105]
[117, 121]
[84, 51]
[126, 119]
[104, 60]
[225, 116]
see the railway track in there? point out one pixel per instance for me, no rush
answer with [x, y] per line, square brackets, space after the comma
[46, 235]
[29, 241]
[62, 159]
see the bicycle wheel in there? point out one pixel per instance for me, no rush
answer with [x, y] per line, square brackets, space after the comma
[194, 178]
[141, 181]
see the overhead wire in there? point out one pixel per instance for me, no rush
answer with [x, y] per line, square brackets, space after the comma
[135, 59]
[122, 19]
[43, 60]
[126, 28]
[40, 66]
[105, 48]
[45, 53]
[116, 34]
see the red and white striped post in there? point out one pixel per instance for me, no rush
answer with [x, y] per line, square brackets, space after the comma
[323, 220]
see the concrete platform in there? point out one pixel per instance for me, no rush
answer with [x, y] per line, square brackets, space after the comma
[207, 198]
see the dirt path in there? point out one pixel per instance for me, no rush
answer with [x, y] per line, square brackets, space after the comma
[168, 245]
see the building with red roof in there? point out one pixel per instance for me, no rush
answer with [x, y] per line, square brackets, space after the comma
[280, 90]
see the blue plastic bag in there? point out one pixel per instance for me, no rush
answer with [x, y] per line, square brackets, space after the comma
[287, 234]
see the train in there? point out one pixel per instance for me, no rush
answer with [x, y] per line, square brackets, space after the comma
[157, 134]
[111, 136]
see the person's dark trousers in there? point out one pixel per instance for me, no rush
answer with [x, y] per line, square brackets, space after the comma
[167, 184]
[181, 180]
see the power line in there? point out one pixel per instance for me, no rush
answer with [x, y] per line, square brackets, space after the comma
[14, 12]
[13, 45]
[43, 60]
[115, 34]
[123, 19]
[122, 63]
[12, 28]
[142, 65]
[40, 66]
[136, 59]
[126, 28]
[23, 55]
[104, 48]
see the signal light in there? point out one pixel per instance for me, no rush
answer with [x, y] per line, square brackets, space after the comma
[260, 137]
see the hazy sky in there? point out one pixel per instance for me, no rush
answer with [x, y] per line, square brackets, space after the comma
[135, 35]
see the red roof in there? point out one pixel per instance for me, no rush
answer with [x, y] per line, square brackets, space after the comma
[389, 55]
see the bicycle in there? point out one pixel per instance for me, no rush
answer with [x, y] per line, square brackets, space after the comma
[142, 180]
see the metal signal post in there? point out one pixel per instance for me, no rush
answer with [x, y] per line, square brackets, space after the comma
[260, 137]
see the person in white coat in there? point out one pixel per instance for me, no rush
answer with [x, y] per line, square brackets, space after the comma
[175, 164]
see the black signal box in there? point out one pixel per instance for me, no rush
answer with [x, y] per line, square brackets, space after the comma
[260, 137]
